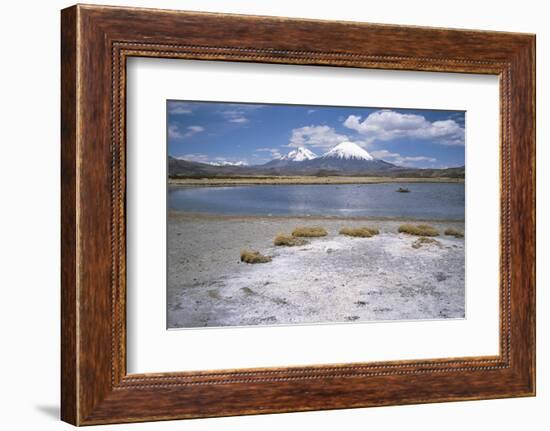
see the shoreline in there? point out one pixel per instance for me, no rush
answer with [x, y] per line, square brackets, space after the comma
[178, 215]
[304, 180]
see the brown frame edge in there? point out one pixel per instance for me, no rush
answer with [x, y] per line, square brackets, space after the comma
[95, 43]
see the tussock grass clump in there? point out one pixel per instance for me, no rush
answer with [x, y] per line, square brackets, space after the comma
[252, 256]
[288, 240]
[424, 241]
[454, 232]
[418, 230]
[309, 232]
[361, 232]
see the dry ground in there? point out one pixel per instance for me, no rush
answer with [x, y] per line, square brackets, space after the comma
[335, 278]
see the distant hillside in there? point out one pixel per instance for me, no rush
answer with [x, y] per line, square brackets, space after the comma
[185, 169]
[345, 159]
[457, 172]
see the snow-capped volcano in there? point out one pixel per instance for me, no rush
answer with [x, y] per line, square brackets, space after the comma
[344, 157]
[348, 151]
[299, 155]
[347, 157]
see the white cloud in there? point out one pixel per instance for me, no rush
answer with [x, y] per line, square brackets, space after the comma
[239, 120]
[386, 125]
[323, 137]
[275, 152]
[398, 159]
[384, 154]
[179, 108]
[195, 129]
[235, 116]
[239, 113]
[174, 132]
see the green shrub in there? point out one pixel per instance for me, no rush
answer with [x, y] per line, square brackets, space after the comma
[309, 232]
[251, 256]
[418, 230]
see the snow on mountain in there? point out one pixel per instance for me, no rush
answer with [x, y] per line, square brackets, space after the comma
[344, 157]
[299, 155]
[348, 151]
[226, 163]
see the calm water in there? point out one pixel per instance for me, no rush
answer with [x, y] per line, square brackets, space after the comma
[426, 200]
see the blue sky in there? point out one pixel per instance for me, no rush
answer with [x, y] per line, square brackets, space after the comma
[214, 132]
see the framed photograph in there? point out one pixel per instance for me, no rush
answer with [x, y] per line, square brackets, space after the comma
[264, 214]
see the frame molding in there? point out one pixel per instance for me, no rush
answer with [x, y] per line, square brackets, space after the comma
[96, 41]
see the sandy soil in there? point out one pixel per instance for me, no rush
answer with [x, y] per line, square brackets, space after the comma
[331, 279]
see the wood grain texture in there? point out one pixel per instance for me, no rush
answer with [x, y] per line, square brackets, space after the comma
[69, 397]
[96, 41]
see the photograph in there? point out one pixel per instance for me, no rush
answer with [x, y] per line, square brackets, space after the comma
[275, 209]
[299, 214]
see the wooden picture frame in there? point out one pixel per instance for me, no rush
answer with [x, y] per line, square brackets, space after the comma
[95, 43]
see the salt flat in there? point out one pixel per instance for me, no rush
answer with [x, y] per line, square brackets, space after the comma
[331, 279]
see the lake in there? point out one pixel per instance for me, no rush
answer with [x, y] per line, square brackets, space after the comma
[441, 201]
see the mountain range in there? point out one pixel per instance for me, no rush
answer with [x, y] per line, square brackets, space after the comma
[346, 158]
